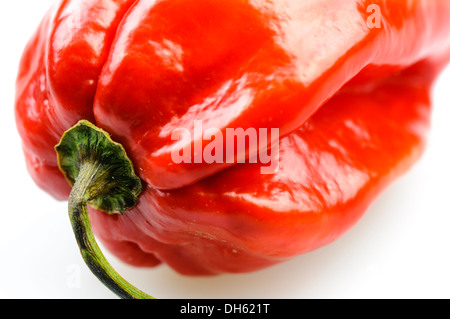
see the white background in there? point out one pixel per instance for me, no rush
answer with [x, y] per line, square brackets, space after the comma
[400, 249]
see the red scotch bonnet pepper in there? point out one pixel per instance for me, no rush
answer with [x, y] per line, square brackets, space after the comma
[345, 84]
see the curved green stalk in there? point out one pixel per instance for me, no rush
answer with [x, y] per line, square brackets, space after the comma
[102, 176]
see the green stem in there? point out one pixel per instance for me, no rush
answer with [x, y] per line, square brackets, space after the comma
[102, 176]
[89, 249]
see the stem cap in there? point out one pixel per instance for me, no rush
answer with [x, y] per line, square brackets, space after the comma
[115, 188]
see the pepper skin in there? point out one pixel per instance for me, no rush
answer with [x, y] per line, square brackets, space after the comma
[351, 102]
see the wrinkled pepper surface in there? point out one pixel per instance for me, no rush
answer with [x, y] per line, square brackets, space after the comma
[351, 100]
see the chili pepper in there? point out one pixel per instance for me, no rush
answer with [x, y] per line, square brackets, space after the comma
[350, 97]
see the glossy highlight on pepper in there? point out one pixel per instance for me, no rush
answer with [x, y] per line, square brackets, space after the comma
[351, 101]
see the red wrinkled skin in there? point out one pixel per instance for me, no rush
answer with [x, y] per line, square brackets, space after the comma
[351, 102]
